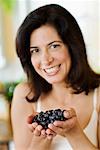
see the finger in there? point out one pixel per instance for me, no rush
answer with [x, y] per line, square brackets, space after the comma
[37, 130]
[68, 124]
[43, 133]
[39, 127]
[59, 123]
[50, 132]
[53, 127]
[32, 126]
[69, 113]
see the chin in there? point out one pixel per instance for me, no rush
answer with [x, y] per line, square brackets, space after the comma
[56, 81]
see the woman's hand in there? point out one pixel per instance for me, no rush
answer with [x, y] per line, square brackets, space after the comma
[63, 127]
[38, 130]
[41, 138]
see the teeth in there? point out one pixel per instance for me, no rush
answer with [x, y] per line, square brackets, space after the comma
[52, 69]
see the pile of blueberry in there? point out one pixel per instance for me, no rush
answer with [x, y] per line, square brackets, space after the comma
[47, 117]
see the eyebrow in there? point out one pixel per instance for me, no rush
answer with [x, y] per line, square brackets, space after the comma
[47, 44]
[54, 42]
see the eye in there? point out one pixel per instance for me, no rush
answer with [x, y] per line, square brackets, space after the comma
[34, 50]
[55, 46]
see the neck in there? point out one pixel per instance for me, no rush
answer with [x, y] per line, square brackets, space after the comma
[61, 91]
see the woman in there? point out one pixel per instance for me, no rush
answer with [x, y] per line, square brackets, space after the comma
[52, 52]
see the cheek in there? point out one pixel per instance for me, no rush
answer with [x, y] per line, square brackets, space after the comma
[35, 63]
[64, 57]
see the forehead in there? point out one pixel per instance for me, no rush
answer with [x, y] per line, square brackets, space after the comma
[44, 34]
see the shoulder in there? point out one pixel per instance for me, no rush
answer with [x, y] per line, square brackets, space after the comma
[20, 107]
[22, 90]
[19, 101]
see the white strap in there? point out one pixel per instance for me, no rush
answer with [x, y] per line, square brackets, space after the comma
[95, 98]
[38, 109]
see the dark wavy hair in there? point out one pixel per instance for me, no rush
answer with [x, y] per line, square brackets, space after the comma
[80, 77]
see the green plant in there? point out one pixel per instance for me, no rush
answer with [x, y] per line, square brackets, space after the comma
[7, 5]
[9, 89]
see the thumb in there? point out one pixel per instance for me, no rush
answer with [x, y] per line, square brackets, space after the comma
[30, 117]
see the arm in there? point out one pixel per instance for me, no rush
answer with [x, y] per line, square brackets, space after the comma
[99, 130]
[71, 130]
[81, 137]
[79, 140]
[20, 110]
[99, 117]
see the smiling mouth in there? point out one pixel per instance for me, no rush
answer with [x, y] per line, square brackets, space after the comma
[53, 70]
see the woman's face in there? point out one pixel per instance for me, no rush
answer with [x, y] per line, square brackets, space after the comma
[49, 55]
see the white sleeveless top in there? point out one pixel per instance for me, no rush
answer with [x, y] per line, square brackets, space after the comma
[61, 143]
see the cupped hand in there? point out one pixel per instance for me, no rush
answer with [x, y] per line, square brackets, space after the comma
[38, 130]
[63, 127]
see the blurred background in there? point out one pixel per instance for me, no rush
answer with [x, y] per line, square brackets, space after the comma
[12, 13]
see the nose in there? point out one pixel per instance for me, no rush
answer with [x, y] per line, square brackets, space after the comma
[46, 59]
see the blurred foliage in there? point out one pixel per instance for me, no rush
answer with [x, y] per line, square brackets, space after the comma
[8, 89]
[7, 5]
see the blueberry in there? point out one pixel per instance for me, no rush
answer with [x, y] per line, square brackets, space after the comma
[47, 117]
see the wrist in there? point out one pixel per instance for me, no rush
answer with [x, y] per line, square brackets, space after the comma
[79, 140]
